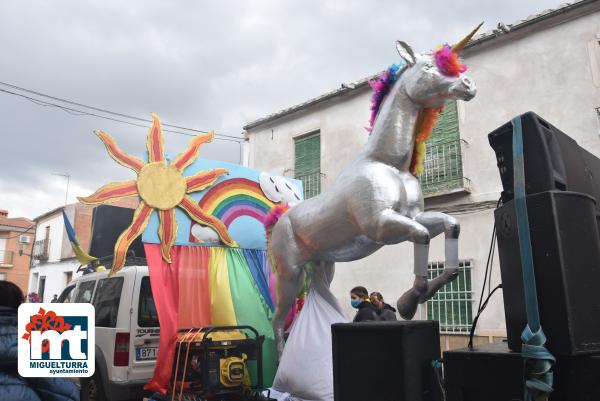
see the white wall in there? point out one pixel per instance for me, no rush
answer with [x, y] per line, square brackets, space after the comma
[55, 277]
[60, 255]
[553, 71]
[57, 232]
[340, 121]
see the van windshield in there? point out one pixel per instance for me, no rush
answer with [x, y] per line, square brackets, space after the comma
[147, 315]
[106, 301]
[85, 292]
[67, 295]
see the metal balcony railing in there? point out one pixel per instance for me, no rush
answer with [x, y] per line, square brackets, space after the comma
[6, 258]
[40, 249]
[444, 168]
[311, 184]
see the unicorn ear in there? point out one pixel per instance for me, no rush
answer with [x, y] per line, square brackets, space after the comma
[406, 52]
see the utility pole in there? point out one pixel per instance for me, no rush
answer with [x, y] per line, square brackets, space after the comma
[67, 176]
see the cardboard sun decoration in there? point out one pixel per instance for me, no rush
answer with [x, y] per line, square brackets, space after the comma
[236, 204]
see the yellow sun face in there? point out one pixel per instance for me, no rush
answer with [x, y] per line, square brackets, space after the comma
[161, 187]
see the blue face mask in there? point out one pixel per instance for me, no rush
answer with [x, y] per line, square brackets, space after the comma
[355, 302]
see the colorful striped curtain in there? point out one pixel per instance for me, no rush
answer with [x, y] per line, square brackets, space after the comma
[209, 286]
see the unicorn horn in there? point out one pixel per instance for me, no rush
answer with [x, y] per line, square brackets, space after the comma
[457, 48]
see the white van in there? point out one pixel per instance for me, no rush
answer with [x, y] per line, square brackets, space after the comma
[127, 331]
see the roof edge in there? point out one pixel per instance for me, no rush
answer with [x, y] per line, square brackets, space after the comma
[523, 24]
[50, 212]
[476, 42]
[343, 90]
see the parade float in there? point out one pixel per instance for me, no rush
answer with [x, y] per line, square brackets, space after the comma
[229, 250]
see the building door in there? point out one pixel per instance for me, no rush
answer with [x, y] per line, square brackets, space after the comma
[68, 278]
[34, 282]
[41, 288]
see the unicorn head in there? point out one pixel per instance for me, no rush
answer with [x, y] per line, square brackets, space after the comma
[431, 78]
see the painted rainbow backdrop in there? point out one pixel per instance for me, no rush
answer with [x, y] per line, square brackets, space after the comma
[236, 197]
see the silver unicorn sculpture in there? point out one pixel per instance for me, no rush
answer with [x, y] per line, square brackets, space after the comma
[376, 200]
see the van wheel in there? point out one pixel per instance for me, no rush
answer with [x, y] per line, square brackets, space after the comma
[91, 389]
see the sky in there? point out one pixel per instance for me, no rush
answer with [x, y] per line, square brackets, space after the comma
[205, 65]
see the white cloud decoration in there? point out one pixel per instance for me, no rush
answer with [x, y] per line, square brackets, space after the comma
[278, 189]
[204, 234]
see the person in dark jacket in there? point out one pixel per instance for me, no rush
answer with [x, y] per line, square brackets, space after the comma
[13, 386]
[385, 311]
[359, 299]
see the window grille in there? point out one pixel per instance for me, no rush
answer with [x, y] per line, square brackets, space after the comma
[311, 184]
[443, 165]
[452, 305]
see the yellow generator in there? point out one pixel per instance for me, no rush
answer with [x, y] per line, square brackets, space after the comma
[213, 362]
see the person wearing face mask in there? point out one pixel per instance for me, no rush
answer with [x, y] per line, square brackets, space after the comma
[385, 311]
[359, 299]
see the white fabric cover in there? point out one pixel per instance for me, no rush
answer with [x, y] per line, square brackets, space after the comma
[305, 371]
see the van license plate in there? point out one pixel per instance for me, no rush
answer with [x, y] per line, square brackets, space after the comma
[145, 353]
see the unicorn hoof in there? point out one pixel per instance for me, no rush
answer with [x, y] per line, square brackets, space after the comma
[407, 304]
[434, 285]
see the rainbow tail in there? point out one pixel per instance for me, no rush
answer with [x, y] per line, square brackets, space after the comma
[269, 222]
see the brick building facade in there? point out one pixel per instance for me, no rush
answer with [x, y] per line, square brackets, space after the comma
[16, 244]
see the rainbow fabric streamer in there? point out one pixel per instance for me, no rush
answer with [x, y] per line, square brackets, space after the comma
[209, 286]
[208, 283]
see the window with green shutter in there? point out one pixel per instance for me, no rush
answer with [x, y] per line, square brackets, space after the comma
[307, 163]
[443, 159]
[452, 305]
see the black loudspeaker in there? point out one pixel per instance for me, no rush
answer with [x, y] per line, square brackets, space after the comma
[108, 222]
[553, 160]
[486, 373]
[494, 373]
[386, 361]
[566, 257]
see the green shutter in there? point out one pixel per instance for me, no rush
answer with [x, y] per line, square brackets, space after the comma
[446, 128]
[307, 163]
[443, 159]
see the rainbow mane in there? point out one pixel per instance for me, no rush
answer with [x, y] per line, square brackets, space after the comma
[381, 86]
[274, 215]
[447, 61]
[448, 64]
[269, 222]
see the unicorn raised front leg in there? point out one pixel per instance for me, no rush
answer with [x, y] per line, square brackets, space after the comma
[377, 199]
